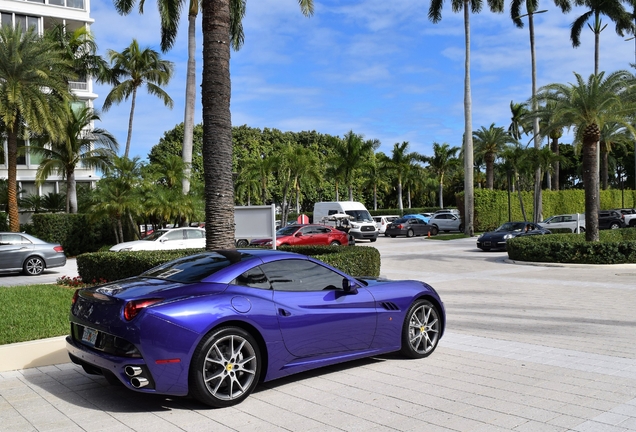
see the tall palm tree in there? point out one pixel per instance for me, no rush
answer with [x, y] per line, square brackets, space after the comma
[170, 14]
[351, 154]
[33, 92]
[217, 122]
[519, 120]
[613, 9]
[440, 163]
[375, 177]
[435, 15]
[399, 165]
[489, 143]
[92, 148]
[132, 68]
[588, 106]
[612, 134]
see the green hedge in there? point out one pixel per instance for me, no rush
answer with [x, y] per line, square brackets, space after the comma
[4, 223]
[615, 247]
[110, 266]
[75, 232]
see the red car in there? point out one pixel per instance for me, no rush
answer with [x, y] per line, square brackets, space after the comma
[301, 235]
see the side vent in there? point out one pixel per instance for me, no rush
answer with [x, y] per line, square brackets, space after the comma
[389, 306]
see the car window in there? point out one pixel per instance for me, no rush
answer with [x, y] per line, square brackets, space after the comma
[173, 235]
[400, 220]
[155, 235]
[194, 234]
[254, 278]
[195, 268]
[307, 230]
[377, 219]
[359, 215]
[301, 275]
[323, 230]
[11, 239]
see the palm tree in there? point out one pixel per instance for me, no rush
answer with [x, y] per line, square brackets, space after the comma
[137, 67]
[519, 120]
[588, 107]
[440, 163]
[375, 177]
[217, 123]
[612, 134]
[613, 9]
[435, 15]
[399, 165]
[33, 91]
[489, 143]
[170, 14]
[514, 158]
[79, 145]
[351, 154]
[248, 184]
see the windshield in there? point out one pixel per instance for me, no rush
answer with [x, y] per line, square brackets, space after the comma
[155, 235]
[360, 215]
[548, 219]
[512, 226]
[287, 231]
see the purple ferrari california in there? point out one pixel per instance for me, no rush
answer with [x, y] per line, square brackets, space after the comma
[215, 324]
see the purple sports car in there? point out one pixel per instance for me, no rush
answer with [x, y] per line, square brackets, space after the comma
[213, 325]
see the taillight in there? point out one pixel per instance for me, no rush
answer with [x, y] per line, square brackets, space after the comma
[58, 249]
[399, 226]
[75, 295]
[133, 307]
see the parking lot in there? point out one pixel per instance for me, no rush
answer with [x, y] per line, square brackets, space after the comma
[527, 348]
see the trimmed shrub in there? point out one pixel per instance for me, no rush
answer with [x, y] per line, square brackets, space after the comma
[75, 232]
[615, 247]
[110, 266]
[4, 221]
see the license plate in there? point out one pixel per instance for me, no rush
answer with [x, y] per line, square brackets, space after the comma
[89, 336]
[486, 243]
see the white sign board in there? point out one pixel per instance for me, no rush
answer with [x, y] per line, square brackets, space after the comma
[255, 222]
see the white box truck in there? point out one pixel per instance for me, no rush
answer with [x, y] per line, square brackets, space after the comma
[361, 224]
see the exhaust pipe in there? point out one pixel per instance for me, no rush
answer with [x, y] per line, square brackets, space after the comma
[132, 371]
[139, 382]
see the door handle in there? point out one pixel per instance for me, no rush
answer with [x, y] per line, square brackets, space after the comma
[283, 312]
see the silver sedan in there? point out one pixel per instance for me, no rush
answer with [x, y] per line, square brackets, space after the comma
[28, 254]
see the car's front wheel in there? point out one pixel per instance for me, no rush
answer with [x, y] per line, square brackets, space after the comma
[615, 225]
[421, 330]
[225, 367]
[242, 243]
[434, 230]
[410, 233]
[33, 266]
[334, 243]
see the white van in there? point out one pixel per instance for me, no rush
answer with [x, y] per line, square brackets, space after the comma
[361, 223]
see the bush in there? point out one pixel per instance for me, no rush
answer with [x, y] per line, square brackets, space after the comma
[4, 221]
[75, 232]
[110, 266]
[615, 247]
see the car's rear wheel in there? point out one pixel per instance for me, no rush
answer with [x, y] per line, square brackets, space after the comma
[410, 233]
[461, 228]
[581, 230]
[334, 243]
[434, 230]
[225, 367]
[392, 236]
[33, 266]
[421, 330]
[242, 243]
[615, 225]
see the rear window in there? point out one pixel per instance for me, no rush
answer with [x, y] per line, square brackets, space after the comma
[195, 268]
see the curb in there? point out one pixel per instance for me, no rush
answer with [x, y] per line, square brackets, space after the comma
[31, 354]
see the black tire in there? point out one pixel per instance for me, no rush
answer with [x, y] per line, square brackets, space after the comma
[615, 225]
[434, 230]
[392, 236]
[461, 228]
[33, 266]
[334, 243]
[225, 357]
[421, 330]
[242, 243]
[410, 233]
[581, 230]
[372, 240]
[386, 235]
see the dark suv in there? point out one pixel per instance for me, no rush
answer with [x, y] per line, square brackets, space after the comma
[610, 219]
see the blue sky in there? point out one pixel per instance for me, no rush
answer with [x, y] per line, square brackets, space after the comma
[377, 67]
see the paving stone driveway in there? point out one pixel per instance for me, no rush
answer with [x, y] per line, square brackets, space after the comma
[527, 348]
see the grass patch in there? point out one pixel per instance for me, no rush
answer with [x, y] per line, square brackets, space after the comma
[33, 312]
[448, 236]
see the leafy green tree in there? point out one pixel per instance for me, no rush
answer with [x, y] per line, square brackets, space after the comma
[440, 163]
[132, 68]
[351, 154]
[94, 148]
[399, 165]
[435, 15]
[375, 177]
[588, 106]
[33, 92]
[489, 144]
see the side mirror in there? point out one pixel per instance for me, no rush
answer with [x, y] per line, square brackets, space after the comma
[349, 286]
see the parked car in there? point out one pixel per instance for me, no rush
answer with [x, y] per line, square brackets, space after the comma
[497, 239]
[611, 219]
[427, 216]
[629, 216]
[447, 210]
[568, 221]
[20, 252]
[446, 221]
[409, 227]
[215, 324]
[382, 221]
[303, 235]
[165, 239]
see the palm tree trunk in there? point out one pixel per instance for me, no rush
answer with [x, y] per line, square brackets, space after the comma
[130, 121]
[375, 197]
[188, 118]
[604, 167]
[401, 206]
[557, 165]
[217, 126]
[538, 199]
[591, 136]
[490, 170]
[12, 180]
[350, 192]
[441, 193]
[337, 194]
[71, 193]
[469, 187]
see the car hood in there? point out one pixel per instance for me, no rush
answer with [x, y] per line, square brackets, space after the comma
[498, 235]
[136, 245]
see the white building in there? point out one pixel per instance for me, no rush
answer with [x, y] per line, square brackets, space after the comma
[46, 14]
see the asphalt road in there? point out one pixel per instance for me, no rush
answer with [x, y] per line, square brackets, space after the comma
[47, 276]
